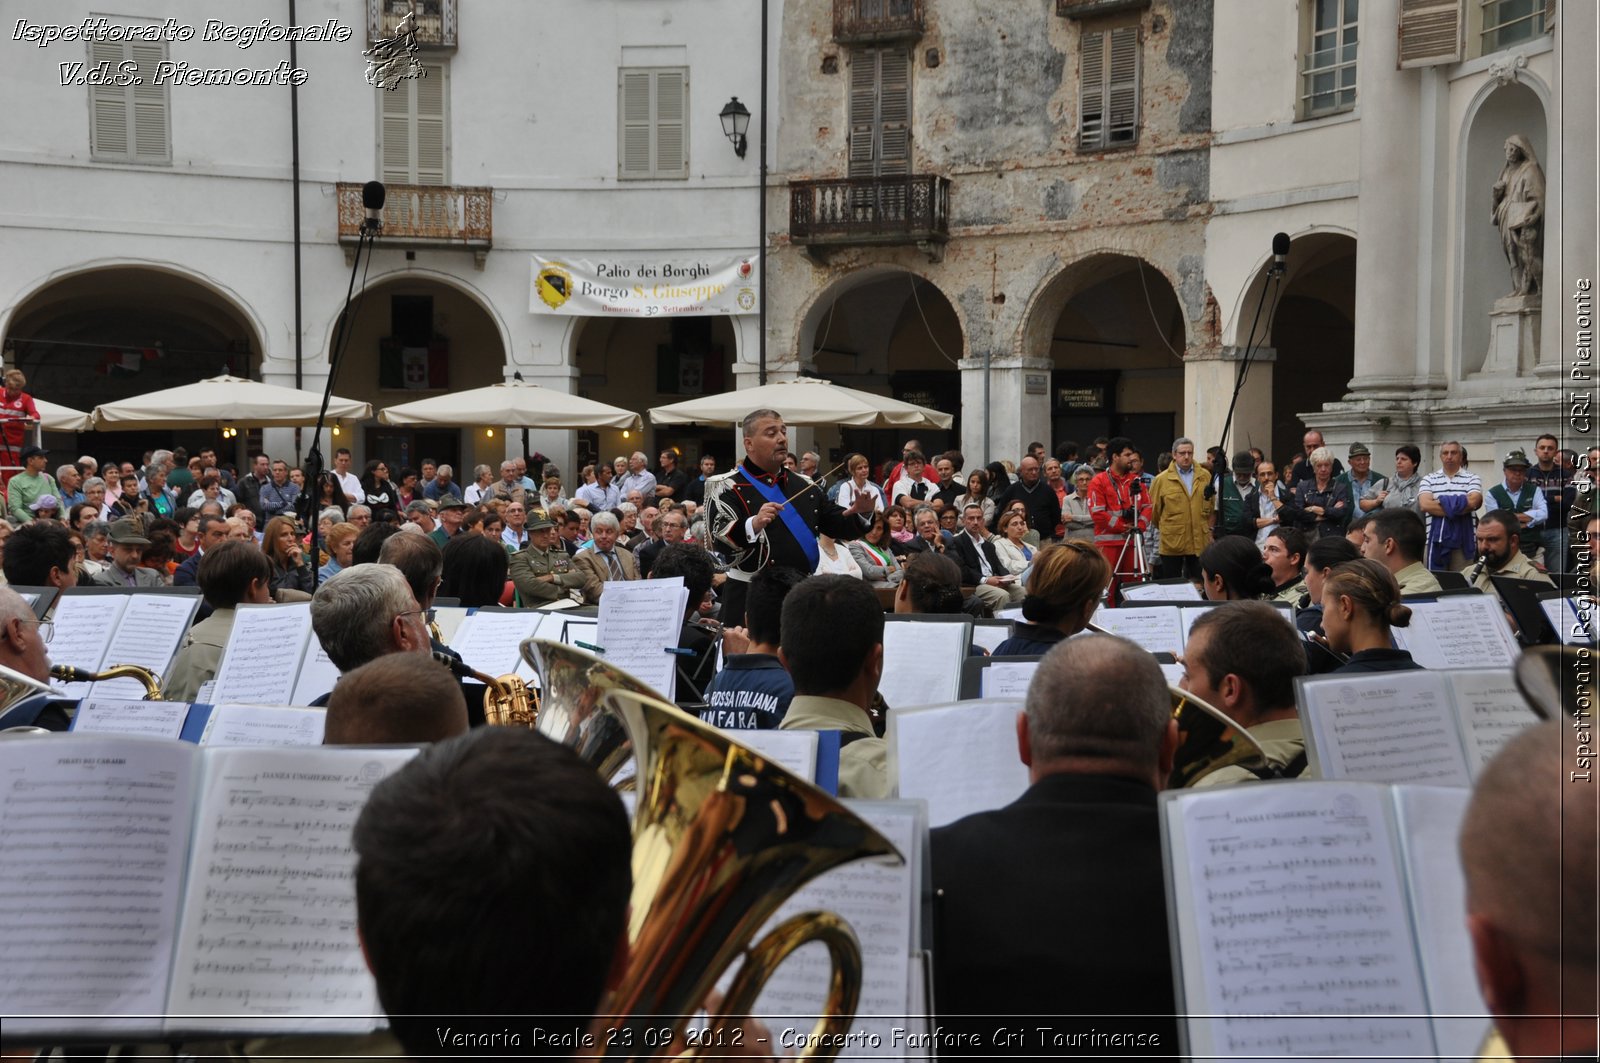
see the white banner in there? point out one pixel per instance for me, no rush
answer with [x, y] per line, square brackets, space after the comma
[644, 284]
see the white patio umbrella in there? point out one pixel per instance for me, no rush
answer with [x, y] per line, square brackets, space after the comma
[803, 401]
[513, 404]
[222, 401]
[54, 418]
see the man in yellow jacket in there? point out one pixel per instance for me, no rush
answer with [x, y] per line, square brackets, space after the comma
[1180, 507]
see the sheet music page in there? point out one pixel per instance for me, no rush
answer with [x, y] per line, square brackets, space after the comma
[1158, 629]
[1492, 712]
[488, 642]
[84, 626]
[1460, 631]
[1289, 904]
[1162, 592]
[878, 902]
[152, 719]
[269, 918]
[94, 830]
[639, 620]
[148, 634]
[922, 662]
[1190, 613]
[794, 750]
[1567, 620]
[1430, 822]
[1384, 727]
[959, 758]
[1008, 680]
[449, 618]
[263, 655]
[990, 636]
[264, 725]
[317, 676]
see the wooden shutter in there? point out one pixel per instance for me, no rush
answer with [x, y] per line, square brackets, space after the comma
[671, 128]
[413, 123]
[108, 106]
[1092, 90]
[863, 113]
[1122, 87]
[151, 140]
[1430, 32]
[634, 92]
[880, 113]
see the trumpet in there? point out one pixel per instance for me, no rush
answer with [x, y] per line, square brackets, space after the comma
[507, 701]
[152, 683]
[721, 838]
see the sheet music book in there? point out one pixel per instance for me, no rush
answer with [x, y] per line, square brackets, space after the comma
[191, 925]
[96, 631]
[1008, 679]
[449, 618]
[269, 651]
[1324, 911]
[264, 725]
[991, 633]
[1458, 631]
[640, 622]
[1163, 628]
[1571, 619]
[883, 904]
[1438, 728]
[489, 640]
[922, 661]
[1162, 591]
[960, 758]
[152, 719]
[795, 751]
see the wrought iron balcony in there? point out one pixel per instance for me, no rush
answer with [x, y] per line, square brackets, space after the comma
[907, 209]
[435, 21]
[1097, 8]
[420, 217]
[865, 21]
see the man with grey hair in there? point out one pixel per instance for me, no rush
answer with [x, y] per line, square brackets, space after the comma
[638, 478]
[71, 483]
[1035, 897]
[364, 612]
[1528, 852]
[443, 486]
[602, 561]
[23, 648]
[360, 515]
[1181, 510]
[509, 487]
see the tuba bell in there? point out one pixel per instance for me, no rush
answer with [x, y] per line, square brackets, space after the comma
[721, 838]
[152, 684]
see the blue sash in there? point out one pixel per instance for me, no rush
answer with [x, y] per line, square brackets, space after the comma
[797, 527]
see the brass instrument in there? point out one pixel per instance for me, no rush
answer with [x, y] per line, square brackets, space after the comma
[507, 701]
[152, 683]
[721, 838]
[1557, 680]
[1208, 739]
[16, 688]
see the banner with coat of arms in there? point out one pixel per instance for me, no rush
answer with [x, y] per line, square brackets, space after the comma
[644, 284]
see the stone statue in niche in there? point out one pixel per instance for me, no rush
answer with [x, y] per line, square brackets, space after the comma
[1519, 214]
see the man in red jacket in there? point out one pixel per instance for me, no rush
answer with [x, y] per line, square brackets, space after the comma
[1120, 506]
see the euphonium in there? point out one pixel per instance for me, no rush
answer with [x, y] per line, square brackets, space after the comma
[1208, 739]
[1557, 680]
[152, 684]
[721, 838]
[507, 701]
[16, 687]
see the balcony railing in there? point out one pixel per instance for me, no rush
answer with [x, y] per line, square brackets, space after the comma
[911, 209]
[435, 21]
[864, 21]
[424, 216]
[1081, 9]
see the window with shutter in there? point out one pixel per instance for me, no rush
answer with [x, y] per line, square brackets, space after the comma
[880, 112]
[1430, 32]
[1108, 88]
[1508, 22]
[653, 122]
[413, 129]
[1328, 63]
[129, 123]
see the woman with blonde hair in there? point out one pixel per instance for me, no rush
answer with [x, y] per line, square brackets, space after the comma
[290, 570]
[1064, 590]
[1360, 604]
[859, 483]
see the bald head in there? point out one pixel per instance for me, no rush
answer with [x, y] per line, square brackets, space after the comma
[1528, 850]
[1097, 701]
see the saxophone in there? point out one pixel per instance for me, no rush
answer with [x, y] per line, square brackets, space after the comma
[507, 701]
[152, 683]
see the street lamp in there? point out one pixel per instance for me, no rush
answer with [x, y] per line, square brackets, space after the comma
[735, 121]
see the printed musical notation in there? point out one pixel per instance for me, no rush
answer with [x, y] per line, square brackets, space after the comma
[1297, 910]
[271, 902]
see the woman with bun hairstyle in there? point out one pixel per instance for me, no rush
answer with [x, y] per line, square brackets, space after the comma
[931, 584]
[1064, 590]
[1360, 603]
[1231, 570]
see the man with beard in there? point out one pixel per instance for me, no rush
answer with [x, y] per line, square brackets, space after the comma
[1500, 552]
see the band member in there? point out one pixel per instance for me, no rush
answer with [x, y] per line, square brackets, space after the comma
[762, 514]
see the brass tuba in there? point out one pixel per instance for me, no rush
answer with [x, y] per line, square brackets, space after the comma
[152, 684]
[1208, 739]
[721, 838]
[507, 701]
[16, 688]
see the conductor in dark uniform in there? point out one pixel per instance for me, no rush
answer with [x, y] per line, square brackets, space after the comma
[762, 514]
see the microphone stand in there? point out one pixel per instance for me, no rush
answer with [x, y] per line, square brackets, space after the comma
[308, 502]
[1276, 274]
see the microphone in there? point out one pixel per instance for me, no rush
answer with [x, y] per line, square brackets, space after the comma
[372, 197]
[1280, 252]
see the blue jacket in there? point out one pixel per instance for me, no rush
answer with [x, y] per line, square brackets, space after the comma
[752, 692]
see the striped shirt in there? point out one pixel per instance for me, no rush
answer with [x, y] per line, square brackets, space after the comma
[1439, 484]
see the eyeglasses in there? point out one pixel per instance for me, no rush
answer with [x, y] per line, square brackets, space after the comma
[47, 628]
[410, 612]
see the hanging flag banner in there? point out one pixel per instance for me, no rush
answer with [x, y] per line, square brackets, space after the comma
[644, 284]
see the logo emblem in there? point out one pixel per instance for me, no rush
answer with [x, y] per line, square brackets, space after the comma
[392, 60]
[747, 299]
[554, 285]
[745, 269]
